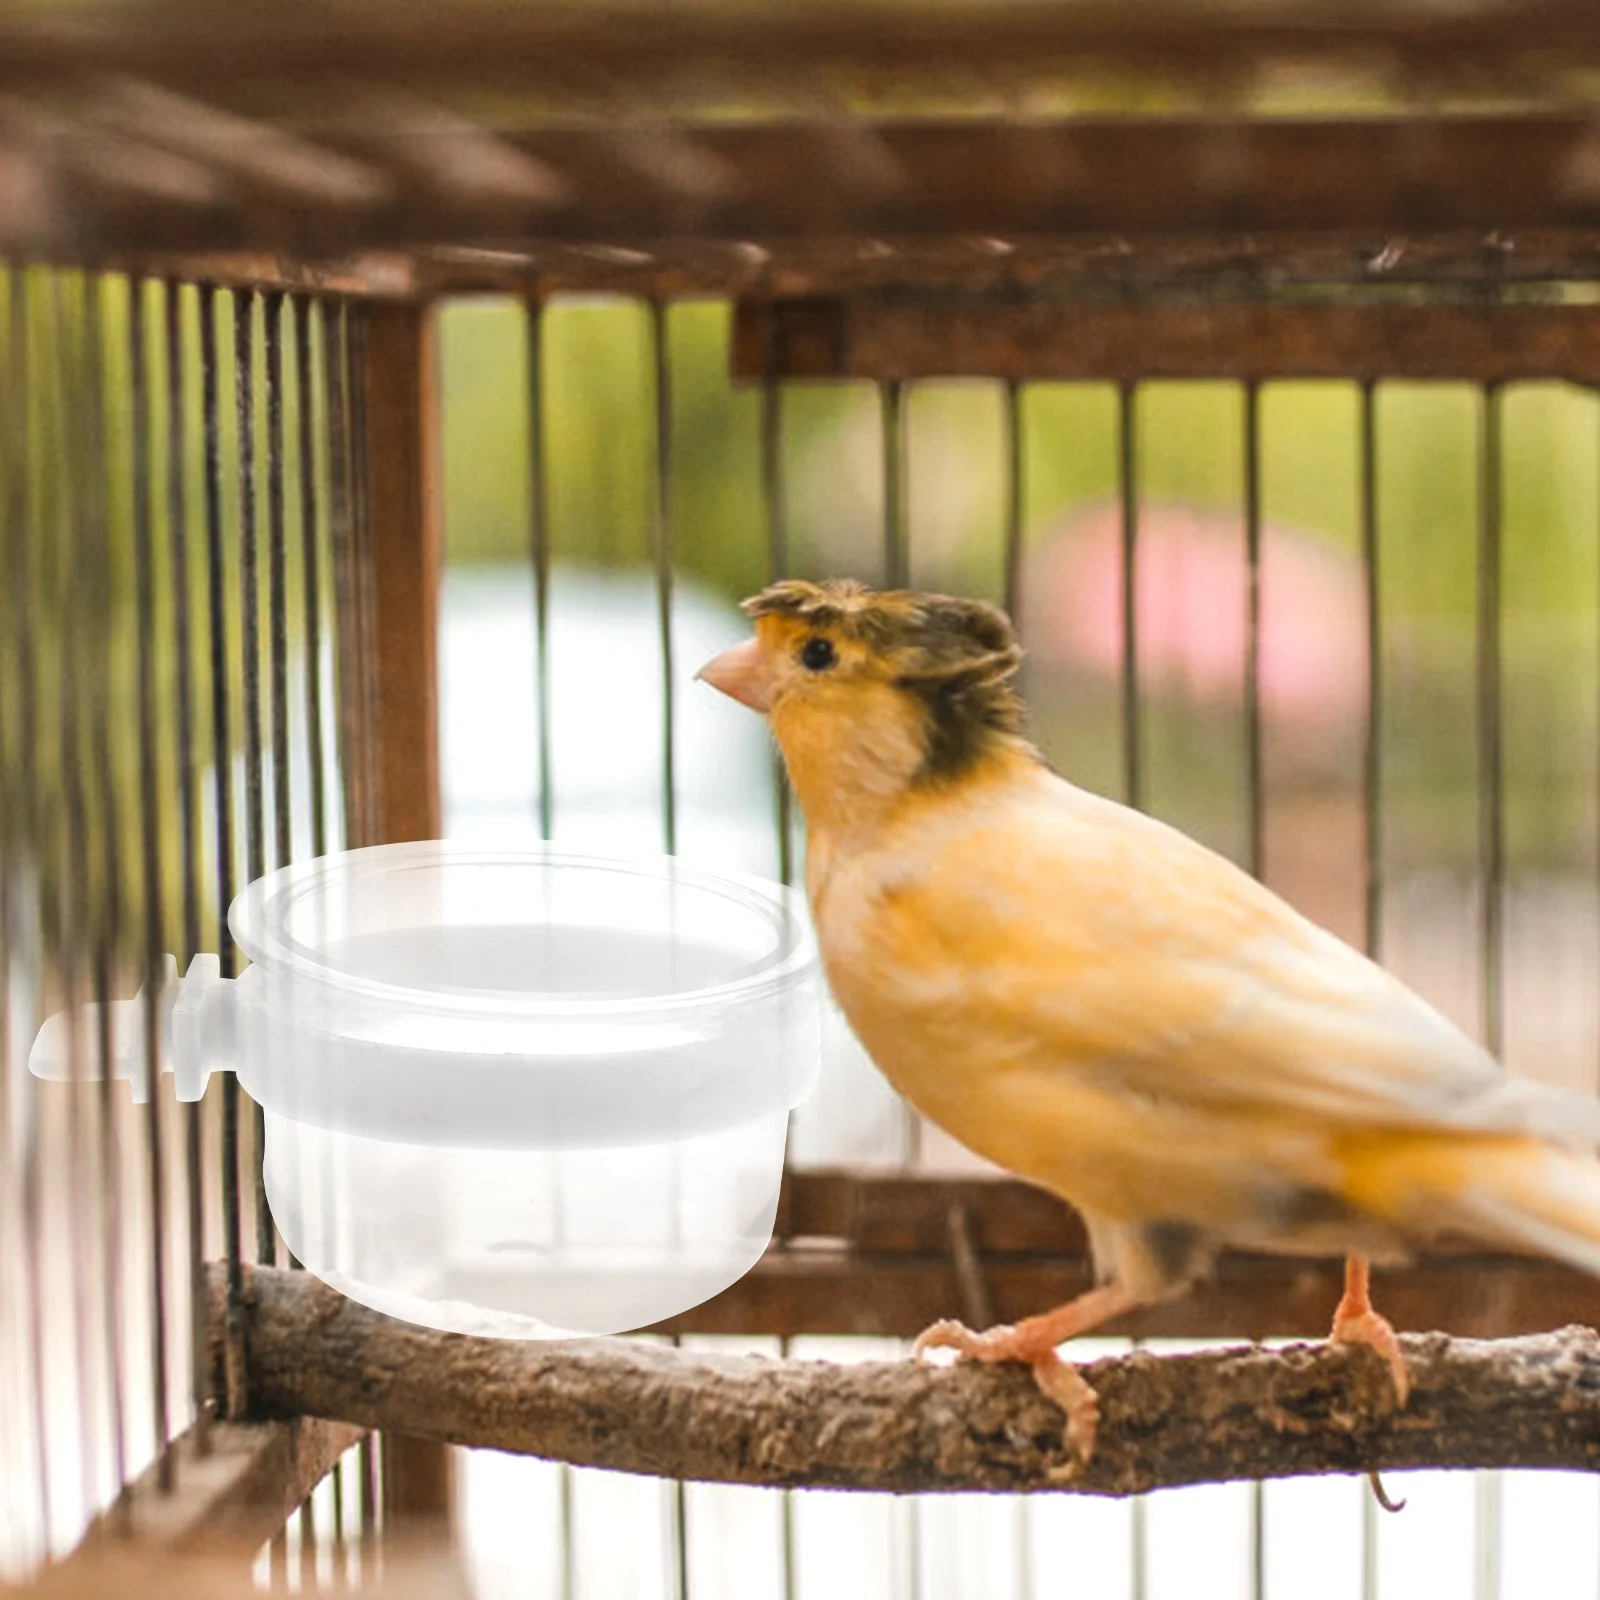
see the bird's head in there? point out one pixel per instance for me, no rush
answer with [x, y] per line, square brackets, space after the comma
[872, 693]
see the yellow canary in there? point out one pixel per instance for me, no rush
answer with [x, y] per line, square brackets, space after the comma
[1096, 1002]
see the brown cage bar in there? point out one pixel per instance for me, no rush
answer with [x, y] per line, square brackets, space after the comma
[227, 236]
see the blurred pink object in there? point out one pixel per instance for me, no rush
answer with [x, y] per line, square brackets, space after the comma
[1191, 610]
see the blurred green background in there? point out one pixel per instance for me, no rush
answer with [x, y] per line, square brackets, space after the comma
[1431, 442]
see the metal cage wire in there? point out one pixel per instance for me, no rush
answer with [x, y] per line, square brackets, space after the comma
[140, 629]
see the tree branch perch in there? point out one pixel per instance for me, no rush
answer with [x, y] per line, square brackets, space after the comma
[1166, 1420]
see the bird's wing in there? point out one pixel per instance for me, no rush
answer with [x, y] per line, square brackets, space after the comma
[1122, 948]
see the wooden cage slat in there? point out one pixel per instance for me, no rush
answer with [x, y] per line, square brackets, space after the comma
[802, 1292]
[475, 170]
[373, 275]
[192, 45]
[275, 161]
[1376, 199]
[403, 509]
[1092, 267]
[409, 1571]
[235, 1493]
[1122, 174]
[863, 1252]
[902, 1213]
[135, 1573]
[902, 337]
[418, 1483]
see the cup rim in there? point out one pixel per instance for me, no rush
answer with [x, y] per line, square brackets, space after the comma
[257, 918]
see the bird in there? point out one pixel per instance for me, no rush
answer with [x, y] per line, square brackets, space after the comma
[1096, 1002]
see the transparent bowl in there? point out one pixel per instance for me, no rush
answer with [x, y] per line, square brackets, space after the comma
[525, 1093]
[446, 994]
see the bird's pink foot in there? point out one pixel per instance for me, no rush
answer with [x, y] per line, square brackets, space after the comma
[1375, 1332]
[1355, 1322]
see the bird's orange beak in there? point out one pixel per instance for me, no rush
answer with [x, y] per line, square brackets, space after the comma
[741, 674]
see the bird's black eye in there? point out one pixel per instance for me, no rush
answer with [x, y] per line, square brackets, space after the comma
[818, 654]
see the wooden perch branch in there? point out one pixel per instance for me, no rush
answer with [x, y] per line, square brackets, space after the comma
[1166, 1420]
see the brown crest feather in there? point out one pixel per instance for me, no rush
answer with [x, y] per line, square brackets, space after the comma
[957, 656]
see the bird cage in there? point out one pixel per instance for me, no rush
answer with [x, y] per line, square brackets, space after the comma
[1014, 255]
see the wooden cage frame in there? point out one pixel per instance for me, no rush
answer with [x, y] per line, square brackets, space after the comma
[1440, 235]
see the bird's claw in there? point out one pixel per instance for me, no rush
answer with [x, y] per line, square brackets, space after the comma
[990, 1346]
[1381, 1495]
[1063, 1383]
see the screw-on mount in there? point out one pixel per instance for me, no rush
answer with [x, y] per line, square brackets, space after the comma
[194, 1034]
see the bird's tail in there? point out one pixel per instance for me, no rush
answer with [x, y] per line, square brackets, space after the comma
[1529, 1196]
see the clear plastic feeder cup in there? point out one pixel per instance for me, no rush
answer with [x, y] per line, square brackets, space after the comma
[527, 1094]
